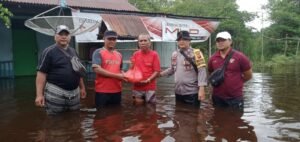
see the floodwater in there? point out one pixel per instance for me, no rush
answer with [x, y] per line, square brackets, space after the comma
[271, 114]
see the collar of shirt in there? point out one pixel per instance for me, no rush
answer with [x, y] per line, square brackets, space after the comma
[186, 49]
[218, 54]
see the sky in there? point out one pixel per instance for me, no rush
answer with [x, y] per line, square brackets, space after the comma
[255, 6]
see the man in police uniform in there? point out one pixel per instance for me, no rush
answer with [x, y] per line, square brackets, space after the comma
[188, 65]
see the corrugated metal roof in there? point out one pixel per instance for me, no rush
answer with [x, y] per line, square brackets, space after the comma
[125, 25]
[105, 4]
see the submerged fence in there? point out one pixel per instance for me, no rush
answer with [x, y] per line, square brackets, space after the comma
[6, 85]
[6, 69]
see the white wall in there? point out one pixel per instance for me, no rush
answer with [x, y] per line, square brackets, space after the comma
[126, 49]
[165, 50]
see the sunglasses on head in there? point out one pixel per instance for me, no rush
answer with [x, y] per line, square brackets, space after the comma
[220, 40]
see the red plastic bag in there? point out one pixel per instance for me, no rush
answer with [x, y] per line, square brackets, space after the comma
[134, 75]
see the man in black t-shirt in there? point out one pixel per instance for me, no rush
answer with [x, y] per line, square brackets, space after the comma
[58, 87]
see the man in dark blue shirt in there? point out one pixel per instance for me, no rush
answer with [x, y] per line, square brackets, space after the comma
[58, 86]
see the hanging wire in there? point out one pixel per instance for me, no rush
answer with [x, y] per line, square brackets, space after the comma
[289, 38]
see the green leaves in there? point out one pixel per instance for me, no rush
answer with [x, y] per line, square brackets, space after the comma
[5, 15]
[277, 39]
[286, 15]
[285, 29]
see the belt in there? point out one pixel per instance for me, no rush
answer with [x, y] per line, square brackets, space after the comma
[61, 93]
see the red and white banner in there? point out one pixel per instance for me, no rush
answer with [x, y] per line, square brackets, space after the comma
[166, 29]
[159, 28]
[90, 36]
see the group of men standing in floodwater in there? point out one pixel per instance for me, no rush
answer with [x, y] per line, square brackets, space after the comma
[59, 88]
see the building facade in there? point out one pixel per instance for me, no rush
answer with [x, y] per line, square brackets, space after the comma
[20, 46]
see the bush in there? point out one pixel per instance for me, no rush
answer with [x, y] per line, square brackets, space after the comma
[280, 60]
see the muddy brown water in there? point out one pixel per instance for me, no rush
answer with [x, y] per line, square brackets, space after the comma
[271, 113]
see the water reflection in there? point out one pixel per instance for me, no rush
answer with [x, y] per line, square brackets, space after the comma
[187, 123]
[65, 127]
[131, 123]
[228, 125]
[271, 114]
[272, 105]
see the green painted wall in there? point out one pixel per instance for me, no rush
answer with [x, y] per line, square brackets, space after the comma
[24, 52]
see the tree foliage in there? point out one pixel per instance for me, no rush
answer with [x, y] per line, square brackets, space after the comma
[234, 20]
[286, 17]
[5, 15]
[285, 30]
[278, 39]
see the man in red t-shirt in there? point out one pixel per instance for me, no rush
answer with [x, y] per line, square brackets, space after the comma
[148, 62]
[237, 71]
[107, 64]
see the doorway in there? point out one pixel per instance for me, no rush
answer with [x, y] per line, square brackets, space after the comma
[25, 49]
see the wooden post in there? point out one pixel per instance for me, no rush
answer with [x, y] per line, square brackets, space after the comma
[285, 45]
[262, 38]
[297, 49]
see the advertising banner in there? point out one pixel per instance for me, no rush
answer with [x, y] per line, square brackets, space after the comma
[166, 29]
[91, 35]
[160, 28]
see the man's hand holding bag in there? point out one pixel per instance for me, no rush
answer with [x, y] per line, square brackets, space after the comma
[216, 78]
[134, 75]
